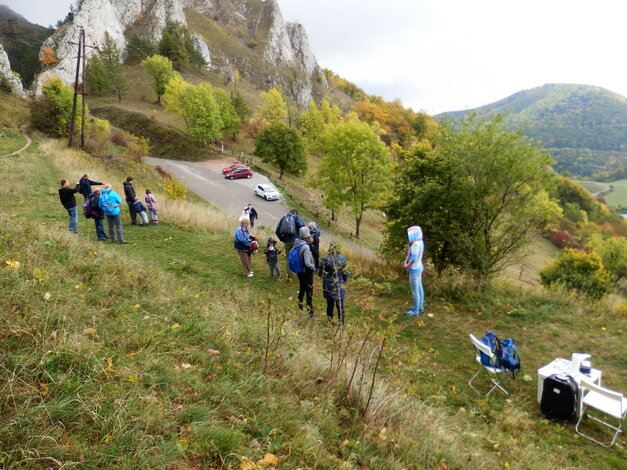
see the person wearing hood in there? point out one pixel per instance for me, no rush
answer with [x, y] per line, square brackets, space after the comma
[110, 202]
[334, 275]
[129, 195]
[413, 265]
[315, 244]
[305, 278]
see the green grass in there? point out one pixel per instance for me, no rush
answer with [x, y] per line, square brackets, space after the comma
[151, 355]
[618, 196]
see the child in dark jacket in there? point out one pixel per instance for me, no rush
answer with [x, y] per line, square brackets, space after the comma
[272, 257]
[140, 209]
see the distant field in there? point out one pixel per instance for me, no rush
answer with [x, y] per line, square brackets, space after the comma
[594, 186]
[618, 197]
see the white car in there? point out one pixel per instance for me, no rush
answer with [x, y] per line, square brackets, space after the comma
[267, 191]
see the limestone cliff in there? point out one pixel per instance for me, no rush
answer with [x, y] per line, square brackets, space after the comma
[7, 73]
[265, 49]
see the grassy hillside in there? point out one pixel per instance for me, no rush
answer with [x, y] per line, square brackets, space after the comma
[159, 354]
[584, 127]
[618, 196]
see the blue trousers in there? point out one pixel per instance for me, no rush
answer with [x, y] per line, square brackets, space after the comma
[415, 281]
[73, 221]
[100, 232]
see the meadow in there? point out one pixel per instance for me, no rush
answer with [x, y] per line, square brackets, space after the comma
[160, 354]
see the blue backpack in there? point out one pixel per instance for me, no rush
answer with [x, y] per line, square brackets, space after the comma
[295, 260]
[506, 353]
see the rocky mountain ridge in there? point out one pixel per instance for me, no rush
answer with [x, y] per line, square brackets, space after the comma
[7, 74]
[257, 25]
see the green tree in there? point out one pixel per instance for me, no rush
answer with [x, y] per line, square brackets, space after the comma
[580, 271]
[201, 113]
[273, 108]
[96, 77]
[172, 46]
[110, 56]
[52, 112]
[314, 120]
[355, 168]
[240, 106]
[161, 70]
[479, 195]
[138, 48]
[228, 115]
[282, 146]
[613, 253]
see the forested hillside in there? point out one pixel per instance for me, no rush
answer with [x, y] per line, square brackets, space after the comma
[584, 127]
[23, 47]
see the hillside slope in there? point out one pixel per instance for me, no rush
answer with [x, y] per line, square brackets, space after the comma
[584, 127]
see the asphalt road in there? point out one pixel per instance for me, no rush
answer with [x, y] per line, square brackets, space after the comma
[206, 180]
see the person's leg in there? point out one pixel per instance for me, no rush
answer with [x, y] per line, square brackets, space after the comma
[118, 224]
[309, 290]
[144, 217]
[302, 287]
[414, 279]
[100, 233]
[244, 258]
[73, 219]
[277, 269]
[330, 304]
[132, 213]
[421, 293]
[111, 223]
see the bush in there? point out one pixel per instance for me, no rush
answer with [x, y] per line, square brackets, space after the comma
[562, 239]
[579, 271]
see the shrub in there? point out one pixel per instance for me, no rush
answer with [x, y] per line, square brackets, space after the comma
[579, 271]
[562, 239]
[173, 189]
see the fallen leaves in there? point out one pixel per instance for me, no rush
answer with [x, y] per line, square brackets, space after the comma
[213, 352]
[90, 331]
[12, 265]
[47, 296]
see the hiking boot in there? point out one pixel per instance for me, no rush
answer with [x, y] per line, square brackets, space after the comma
[250, 275]
[123, 242]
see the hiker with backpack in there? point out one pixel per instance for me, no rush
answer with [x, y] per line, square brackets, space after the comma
[110, 202]
[96, 213]
[315, 244]
[243, 243]
[66, 195]
[300, 261]
[413, 265]
[287, 231]
[129, 195]
[85, 185]
[334, 275]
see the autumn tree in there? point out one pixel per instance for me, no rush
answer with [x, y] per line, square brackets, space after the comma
[48, 56]
[282, 146]
[273, 108]
[314, 120]
[479, 196]
[161, 70]
[355, 167]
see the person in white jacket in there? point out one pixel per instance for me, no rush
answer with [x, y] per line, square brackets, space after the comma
[413, 265]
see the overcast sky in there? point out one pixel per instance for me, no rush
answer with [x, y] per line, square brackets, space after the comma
[444, 55]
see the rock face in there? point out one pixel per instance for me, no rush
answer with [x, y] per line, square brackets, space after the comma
[256, 27]
[7, 73]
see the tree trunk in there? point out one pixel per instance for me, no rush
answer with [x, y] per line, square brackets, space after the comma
[281, 172]
[357, 225]
[333, 215]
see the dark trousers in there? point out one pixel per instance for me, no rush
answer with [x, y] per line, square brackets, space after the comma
[306, 289]
[340, 309]
[132, 212]
[100, 229]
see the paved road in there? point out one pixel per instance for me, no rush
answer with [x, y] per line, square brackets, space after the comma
[206, 180]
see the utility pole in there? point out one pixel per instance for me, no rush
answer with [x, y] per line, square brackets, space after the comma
[79, 88]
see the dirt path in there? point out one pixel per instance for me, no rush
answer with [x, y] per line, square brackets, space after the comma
[29, 141]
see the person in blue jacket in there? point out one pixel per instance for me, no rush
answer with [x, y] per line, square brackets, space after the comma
[85, 184]
[110, 203]
[413, 265]
[334, 275]
[243, 244]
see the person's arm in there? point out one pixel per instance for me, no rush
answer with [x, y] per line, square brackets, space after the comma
[76, 189]
[277, 232]
[308, 260]
[94, 183]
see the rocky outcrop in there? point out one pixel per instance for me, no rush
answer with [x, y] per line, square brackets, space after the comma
[259, 23]
[7, 73]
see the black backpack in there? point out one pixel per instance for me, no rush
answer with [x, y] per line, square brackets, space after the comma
[288, 225]
[560, 397]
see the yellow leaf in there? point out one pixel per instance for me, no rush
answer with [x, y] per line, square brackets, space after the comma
[383, 434]
[12, 265]
[43, 389]
[175, 326]
[213, 352]
[89, 331]
[136, 306]
[109, 365]
[603, 328]
[47, 296]
[269, 459]
[79, 286]
[185, 365]
[133, 378]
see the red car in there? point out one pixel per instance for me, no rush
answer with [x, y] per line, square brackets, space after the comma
[237, 173]
[234, 166]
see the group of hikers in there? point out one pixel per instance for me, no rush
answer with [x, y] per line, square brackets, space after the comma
[301, 245]
[100, 204]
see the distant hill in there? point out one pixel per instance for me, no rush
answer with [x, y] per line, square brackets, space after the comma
[29, 37]
[584, 127]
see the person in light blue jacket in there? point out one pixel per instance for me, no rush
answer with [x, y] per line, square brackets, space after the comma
[110, 203]
[413, 265]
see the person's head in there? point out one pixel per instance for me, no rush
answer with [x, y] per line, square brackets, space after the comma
[85, 176]
[148, 191]
[129, 179]
[250, 205]
[63, 183]
[335, 248]
[414, 233]
[244, 221]
[107, 185]
[303, 233]
[97, 191]
[312, 227]
[294, 212]
[271, 241]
